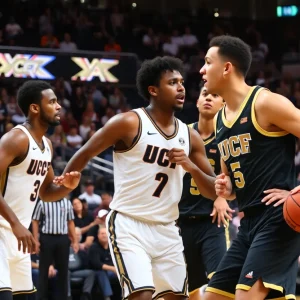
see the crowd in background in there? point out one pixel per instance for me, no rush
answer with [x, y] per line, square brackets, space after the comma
[86, 107]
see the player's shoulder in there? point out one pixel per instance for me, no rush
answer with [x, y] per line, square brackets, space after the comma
[266, 99]
[125, 120]
[15, 136]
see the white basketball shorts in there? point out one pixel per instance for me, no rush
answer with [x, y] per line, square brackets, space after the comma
[15, 266]
[147, 256]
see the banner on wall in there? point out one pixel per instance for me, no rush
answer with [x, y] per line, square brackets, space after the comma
[44, 64]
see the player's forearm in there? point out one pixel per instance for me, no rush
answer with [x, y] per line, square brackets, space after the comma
[54, 193]
[78, 161]
[7, 213]
[205, 183]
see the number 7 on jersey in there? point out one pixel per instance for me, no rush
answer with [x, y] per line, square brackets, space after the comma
[163, 179]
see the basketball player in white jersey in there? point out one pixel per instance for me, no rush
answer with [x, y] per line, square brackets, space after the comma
[25, 174]
[152, 152]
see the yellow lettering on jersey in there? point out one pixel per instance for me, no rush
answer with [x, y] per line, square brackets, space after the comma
[235, 146]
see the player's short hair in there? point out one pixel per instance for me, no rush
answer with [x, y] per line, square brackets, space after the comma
[151, 71]
[31, 93]
[235, 50]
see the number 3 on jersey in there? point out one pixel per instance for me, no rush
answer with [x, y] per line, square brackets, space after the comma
[35, 193]
[193, 188]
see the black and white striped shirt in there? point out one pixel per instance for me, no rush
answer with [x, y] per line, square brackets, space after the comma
[55, 216]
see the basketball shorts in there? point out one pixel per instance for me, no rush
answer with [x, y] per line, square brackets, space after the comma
[15, 266]
[204, 246]
[147, 256]
[266, 248]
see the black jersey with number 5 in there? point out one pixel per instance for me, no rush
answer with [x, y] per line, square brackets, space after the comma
[192, 203]
[256, 159]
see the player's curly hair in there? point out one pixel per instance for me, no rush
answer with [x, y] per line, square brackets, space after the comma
[151, 71]
[235, 50]
[31, 92]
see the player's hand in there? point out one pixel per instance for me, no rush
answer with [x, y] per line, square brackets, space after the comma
[179, 157]
[69, 180]
[295, 190]
[223, 186]
[75, 247]
[275, 195]
[26, 241]
[51, 272]
[222, 211]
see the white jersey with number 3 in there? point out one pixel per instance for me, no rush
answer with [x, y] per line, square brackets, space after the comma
[20, 183]
[148, 186]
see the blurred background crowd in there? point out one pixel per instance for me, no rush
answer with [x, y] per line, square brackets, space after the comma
[112, 28]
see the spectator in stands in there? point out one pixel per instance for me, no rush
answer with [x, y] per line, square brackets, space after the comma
[3, 116]
[18, 117]
[78, 103]
[85, 127]
[109, 113]
[83, 219]
[49, 40]
[106, 200]
[189, 39]
[92, 199]
[68, 121]
[74, 140]
[46, 22]
[90, 112]
[101, 262]
[79, 268]
[13, 29]
[67, 45]
[112, 46]
[170, 48]
[117, 99]
[59, 142]
[92, 234]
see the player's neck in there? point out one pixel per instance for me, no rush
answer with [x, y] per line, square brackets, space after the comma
[162, 117]
[205, 127]
[234, 94]
[36, 130]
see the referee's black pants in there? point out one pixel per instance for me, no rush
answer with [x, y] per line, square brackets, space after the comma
[54, 250]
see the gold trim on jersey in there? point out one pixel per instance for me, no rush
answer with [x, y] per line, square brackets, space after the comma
[289, 296]
[206, 142]
[229, 124]
[210, 275]
[137, 137]
[227, 236]
[3, 181]
[124, 279]
[194, 291]
[243, 287]
[167, 137]
[24, 292]
[5, 289]
[219, 292]
[215, 121]
[184, 291]
[257, 126]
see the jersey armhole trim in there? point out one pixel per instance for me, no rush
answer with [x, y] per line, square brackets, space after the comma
[189, 134]
[257, 126]
[136, 138]
[15, 165]
[215, 122]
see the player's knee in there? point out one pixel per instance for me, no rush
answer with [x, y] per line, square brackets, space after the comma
[142, 295]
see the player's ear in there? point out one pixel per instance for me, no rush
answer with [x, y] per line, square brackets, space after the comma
[227, 68]
[34, 108]
[152, 91]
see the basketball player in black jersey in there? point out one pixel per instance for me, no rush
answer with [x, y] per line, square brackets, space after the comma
[204, 242]
[254, 132]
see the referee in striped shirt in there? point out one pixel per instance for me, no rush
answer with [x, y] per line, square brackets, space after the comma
[57, 230]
